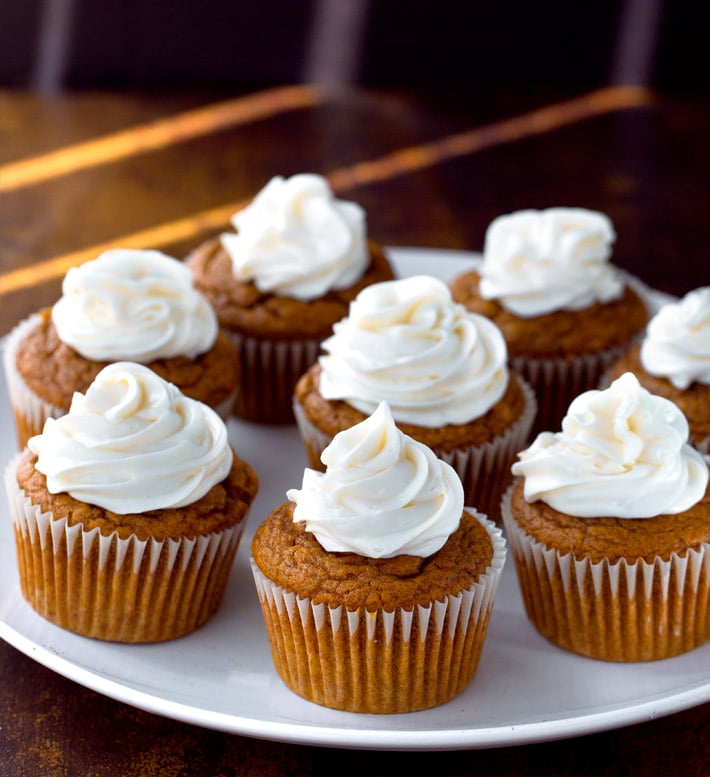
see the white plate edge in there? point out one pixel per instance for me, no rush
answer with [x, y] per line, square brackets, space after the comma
[375, 738]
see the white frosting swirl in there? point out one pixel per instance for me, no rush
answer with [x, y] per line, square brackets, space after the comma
[622, 452]
[383, 494]
[133, 443]
[677, 342]
[133, 305]
[296, 240]
[408, 343]
[536, 262]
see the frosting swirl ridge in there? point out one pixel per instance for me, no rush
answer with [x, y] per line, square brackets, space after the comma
[539, 261]
[133, 442]
[136, 305]
[295, 239]
[622, 452]
[407, 342]
[677, 341]
[382, 495]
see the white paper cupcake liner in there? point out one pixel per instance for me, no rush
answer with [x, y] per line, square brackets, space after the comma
[620, 611]
[114, 588]
[484, 470]
[380, 661]
[270, 370]
[29, 410]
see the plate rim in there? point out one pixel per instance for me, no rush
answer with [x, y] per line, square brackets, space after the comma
[372, 737]
[414, 739]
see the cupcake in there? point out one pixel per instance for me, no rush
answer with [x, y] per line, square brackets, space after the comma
[673, 360]
[128, 510]
[443, 372]
[376, 584]
[126, 305]
[281, 281]
[566, 313]
[609, 527]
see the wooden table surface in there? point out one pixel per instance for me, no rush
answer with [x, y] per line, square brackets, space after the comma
[81, 172]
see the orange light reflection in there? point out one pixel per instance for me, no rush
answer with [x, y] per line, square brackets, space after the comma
[397, 163]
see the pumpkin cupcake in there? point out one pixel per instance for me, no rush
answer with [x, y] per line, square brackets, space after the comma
[609, 526]
[281, 280]
[441, 369]
[126, 305]
[566, 313]
[673, 361]
[128, 510]
[376, 584]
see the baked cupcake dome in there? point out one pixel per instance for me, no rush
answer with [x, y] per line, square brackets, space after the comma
[128, 511]
[564, 311]
[281, 280]
[442, 371]
[391, 616]
[608, 526]
[673, 361]
[124, 305]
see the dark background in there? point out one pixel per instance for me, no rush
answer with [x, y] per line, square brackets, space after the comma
[468, 48]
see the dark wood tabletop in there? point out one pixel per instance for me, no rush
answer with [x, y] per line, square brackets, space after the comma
[82, 172]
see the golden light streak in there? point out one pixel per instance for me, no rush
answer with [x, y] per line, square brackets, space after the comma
[155, 135]
[397, 163]
[170, 232]
[536, 122]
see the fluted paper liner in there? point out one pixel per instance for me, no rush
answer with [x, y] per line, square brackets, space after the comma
[114, 588]
[484, 471]
[379, 661]
[31, 411]
[622, 611]
[270, 370]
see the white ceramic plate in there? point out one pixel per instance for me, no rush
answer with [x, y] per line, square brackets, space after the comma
[221, 677]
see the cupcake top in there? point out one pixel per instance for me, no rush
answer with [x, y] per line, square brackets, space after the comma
[409, 343]
[622, 452]
[677, 341]
[132, 443]
[135, 305]
[382, 495]
[539, 261]
[296, 240]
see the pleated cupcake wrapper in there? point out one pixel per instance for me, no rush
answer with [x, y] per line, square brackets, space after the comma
[484, 470]
[270, 370]
[379, 661]
[622, 611]
[556, 382]
[29, 410]
[113, 588]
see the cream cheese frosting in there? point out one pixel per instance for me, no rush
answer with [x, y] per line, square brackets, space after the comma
[382, 495]
[133, 442]
[622, 452]
[677, 341]
[540, 261]
[136, 305]
[296, 239]
[407, 342]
